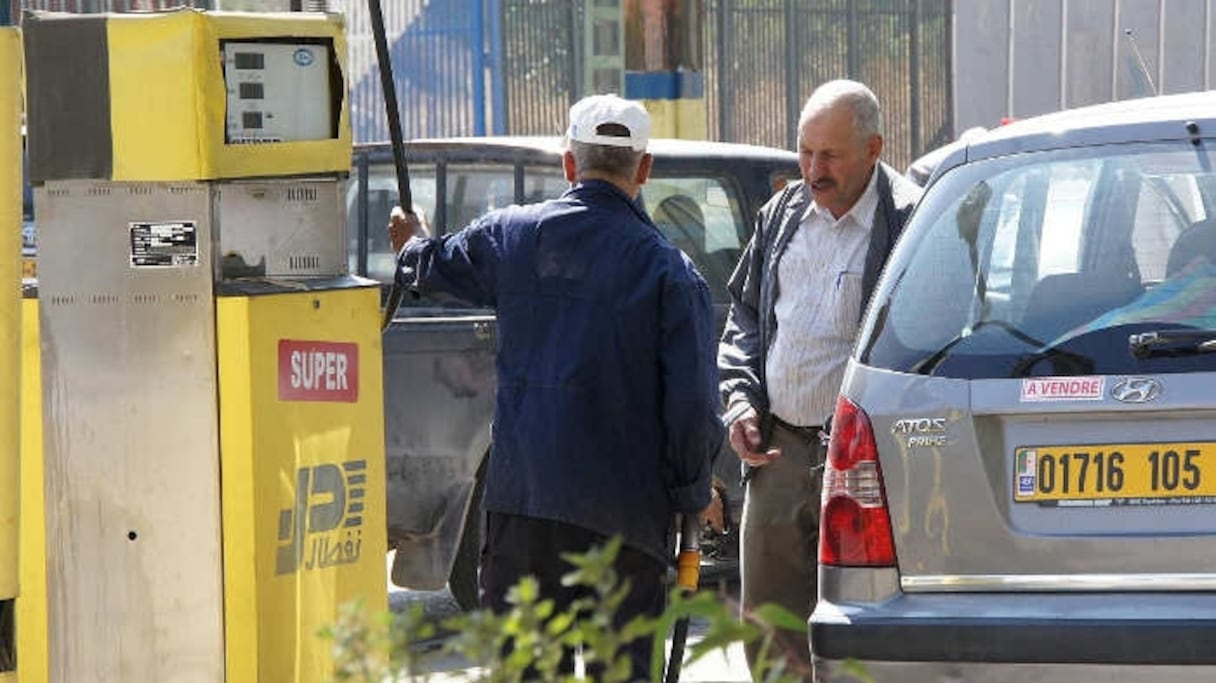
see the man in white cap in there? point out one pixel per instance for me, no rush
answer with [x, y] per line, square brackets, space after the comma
[607, 411]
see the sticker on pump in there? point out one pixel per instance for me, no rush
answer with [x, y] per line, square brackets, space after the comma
[163, 244]
[318, 371]
[1063, 388]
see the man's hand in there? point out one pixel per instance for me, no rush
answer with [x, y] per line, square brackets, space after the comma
[713, 516]
[745, 440]
[402, 226]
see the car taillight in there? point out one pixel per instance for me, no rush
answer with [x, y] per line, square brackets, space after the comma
[854, 523]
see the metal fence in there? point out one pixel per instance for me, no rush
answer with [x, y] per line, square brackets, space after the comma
[762, 60]
[542, 62]
[766, 56]
[101, 6]
[438, 52]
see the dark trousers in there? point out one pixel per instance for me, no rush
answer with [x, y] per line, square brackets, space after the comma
[518, 546]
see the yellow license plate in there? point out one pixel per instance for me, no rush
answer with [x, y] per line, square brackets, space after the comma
[29, 268]
[1129, 474]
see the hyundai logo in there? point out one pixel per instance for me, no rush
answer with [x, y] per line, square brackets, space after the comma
[1136, 390]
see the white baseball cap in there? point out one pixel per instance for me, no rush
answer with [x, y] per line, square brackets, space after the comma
[589, 113]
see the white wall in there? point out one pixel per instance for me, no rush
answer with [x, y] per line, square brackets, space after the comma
[1019, 58]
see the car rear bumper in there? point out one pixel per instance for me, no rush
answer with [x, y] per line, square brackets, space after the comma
[1130, 629]
[830, 671]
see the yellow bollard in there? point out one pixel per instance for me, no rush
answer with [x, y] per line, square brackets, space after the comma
[10, 336]
[31, 608]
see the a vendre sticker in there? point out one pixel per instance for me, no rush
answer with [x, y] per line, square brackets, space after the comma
[318, 371]
[1063, 388]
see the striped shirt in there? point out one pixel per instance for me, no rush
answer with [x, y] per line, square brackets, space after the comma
[817, 310]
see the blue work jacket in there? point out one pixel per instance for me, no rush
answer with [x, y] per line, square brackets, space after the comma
[607, 408]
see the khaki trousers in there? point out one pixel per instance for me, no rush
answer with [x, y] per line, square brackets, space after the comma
[780, 542]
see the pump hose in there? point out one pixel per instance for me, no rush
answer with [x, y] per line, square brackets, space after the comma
[406, 200]
[688, 575]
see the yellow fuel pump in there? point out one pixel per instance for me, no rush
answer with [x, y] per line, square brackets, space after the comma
[31, 608]
[211, 375]
[10, 341]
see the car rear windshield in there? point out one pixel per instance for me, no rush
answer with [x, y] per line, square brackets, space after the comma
[1096, 260]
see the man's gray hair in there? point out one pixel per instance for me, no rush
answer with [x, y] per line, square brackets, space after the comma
[867, 118]
[618, 162]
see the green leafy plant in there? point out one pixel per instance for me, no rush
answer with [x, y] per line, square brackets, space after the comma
[527, 642]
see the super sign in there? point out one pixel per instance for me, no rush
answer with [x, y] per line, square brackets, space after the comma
[318, 371]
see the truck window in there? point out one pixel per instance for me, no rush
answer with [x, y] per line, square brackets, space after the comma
[474, 189]
[381, 198]
[543, 182]
[470, 191]
[700, 216]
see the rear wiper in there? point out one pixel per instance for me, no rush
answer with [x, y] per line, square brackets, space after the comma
[1062, 363]
[1171, 343]
[928, 364]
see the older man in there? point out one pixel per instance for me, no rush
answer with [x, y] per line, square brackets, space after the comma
[797, 298]
[607, 411]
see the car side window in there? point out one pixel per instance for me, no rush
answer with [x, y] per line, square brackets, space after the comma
[701, 216]
[543, 182]
[381, 198]
[474, 189]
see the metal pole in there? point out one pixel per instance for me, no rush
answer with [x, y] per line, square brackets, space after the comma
[792, 58]
[479, 68]
[1062, 101]
[914, 58]
[854, 51]
[580, 37]
[1160, 89]
[722, 51]
[498, 88]
[948, 40]
[1207, 45]
[1010, 64]
[1114, 54]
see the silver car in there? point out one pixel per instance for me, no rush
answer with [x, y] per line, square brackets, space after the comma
[1021, 481]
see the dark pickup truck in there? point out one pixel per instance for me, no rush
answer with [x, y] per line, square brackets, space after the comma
[439, 375]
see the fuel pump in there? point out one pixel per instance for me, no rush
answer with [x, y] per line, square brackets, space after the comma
[211, 373]
[10, 341]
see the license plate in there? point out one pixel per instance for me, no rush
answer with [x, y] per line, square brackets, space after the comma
[1131, 474]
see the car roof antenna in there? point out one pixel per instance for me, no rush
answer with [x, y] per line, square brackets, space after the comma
[1140, 68]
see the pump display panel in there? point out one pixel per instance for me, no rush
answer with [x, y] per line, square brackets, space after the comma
[278, 92]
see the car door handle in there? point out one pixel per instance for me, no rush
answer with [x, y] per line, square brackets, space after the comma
[483, 330]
